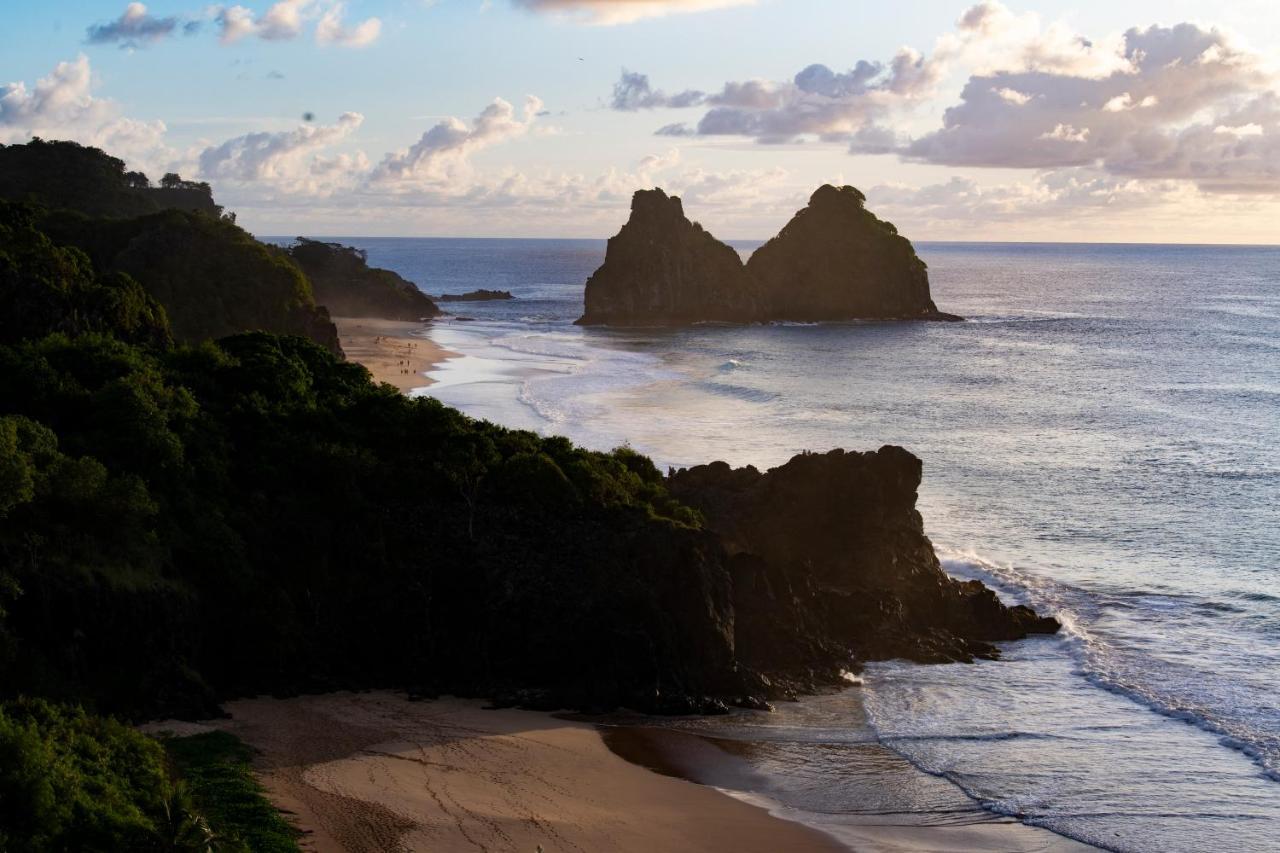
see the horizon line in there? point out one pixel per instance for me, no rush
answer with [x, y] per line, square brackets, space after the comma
[1275, 245]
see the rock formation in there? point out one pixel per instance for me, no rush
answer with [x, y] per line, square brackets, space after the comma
[480, 295]
[829, 564]
[835, 260]
[663, 270]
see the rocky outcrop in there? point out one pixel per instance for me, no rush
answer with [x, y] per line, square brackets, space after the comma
[836, 260]
[663, 270]
[830, 565]
[344, 283]
[481, 295]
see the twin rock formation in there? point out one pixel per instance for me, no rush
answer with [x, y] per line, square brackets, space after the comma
[835, 260]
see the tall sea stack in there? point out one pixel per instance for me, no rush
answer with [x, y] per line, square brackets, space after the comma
[835, 260]
[663, 270]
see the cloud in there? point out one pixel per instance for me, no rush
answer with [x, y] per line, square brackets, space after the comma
[818, 102]
[286, 20]
[62, 106]
[610, 12]
[1155, 115]
[133, 29]
[834, 106]
[443, 150]
[633, 92]
[1082, 195]
[287, 161]
[331, 30]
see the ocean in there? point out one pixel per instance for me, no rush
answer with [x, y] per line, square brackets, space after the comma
[1100, 440]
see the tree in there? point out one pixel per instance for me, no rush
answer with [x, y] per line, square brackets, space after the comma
[171, 181]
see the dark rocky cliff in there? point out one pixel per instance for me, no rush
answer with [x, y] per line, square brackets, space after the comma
[836, 260]
[830, 565]
[662, 270]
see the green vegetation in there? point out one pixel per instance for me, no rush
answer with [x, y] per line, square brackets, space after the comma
[216, 777]
[254, 514]
[71, 781]
[185, 522]
[211, 276]
[346, 284]
[170, 242]
[68, 175]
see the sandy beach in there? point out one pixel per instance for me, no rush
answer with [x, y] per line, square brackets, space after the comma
[376, 772]
[394, 351]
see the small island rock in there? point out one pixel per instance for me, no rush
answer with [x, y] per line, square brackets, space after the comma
[835, 260]
[663, 270]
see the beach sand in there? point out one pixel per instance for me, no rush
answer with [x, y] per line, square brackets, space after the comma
[394, 351]
[376, 772]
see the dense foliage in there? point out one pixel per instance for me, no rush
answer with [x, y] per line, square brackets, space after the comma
[212, 277]
[59, 174]
[71, 781]
[255, 514]
[344, 283]
[46, 288]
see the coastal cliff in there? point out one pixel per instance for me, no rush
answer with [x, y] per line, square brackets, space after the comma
[161, 487]
[663, 270]
[343, 282]
[835, 260]
[830, 562]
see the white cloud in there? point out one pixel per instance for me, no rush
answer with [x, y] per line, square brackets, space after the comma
[331, 29]
[62, 106]
[286, 160]
[610, 12]
[1154, 115]
[443, 151]
[1013, 96]
[286, 20]
[283, 20]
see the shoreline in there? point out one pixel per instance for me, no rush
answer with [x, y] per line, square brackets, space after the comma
[393, 351]
[378, 772]
[899, 808]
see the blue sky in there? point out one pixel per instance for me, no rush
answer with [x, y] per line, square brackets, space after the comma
[999, 121]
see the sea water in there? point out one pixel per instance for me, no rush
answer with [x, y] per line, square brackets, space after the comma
[1101, 440]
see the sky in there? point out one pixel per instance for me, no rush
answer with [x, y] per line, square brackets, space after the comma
[1090, 121]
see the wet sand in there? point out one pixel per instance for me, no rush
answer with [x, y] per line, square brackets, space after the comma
[376, 772]
[394, 351]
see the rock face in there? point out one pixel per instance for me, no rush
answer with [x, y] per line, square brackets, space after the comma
[836, 260]
[663, 270]
[830, 565]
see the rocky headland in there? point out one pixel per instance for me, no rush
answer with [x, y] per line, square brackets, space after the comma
[829, 567]
[343, 282]
[835, 260]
